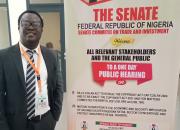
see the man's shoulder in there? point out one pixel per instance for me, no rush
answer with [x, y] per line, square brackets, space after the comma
[8, 50]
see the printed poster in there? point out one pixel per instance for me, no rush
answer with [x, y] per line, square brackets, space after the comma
[122, 64]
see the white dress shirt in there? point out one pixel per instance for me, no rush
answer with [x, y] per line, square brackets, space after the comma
[41, 100]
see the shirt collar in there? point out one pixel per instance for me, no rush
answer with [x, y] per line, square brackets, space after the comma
[25, 48]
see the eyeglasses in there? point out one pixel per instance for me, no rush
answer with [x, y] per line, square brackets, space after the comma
[27, 24]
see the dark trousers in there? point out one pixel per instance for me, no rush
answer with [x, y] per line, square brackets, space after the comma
[46, 123]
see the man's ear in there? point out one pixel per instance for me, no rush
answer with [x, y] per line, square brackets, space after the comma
[18, 27]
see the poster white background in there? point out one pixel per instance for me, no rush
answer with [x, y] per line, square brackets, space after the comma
[165, 69]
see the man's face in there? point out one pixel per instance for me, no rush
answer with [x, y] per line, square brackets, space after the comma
[30, 29]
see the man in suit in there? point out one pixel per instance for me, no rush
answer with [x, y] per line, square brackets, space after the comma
[31, 88]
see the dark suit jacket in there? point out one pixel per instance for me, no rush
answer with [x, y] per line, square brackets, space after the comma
[12, 88]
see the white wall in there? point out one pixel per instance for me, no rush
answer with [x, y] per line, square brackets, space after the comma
[51, 30]
[4, 32]
[2, 1]
[14, 11]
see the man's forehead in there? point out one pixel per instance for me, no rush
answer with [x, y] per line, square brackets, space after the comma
[30, 16]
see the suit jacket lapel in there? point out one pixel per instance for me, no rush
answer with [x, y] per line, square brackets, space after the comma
[18, 63]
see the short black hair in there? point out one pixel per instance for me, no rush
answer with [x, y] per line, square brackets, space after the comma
[30, 11]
